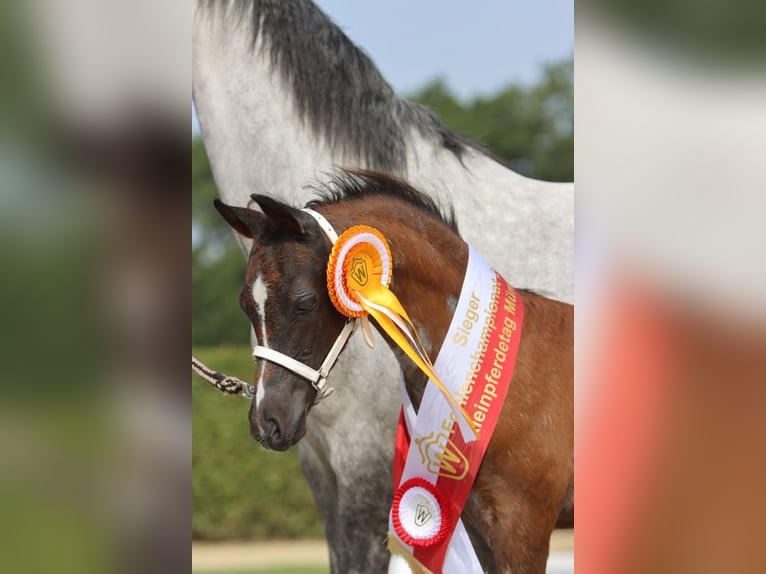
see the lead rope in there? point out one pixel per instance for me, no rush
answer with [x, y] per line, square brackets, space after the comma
[227, 385]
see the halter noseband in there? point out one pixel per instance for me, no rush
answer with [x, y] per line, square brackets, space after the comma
[316, 377]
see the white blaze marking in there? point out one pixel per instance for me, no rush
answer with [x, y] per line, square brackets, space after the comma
[260, 295]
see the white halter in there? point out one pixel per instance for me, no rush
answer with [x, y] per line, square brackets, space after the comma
[317, 377]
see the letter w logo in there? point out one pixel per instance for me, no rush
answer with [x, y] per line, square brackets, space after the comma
[443, 456]
[422, 515]
[359, 270]
[450, 463]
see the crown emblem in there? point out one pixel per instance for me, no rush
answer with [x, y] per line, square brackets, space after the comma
[443, 457]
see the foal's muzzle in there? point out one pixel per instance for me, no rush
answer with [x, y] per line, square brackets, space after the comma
[280, 430]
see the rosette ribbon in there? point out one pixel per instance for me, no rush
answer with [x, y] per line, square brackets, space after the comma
[358, 275]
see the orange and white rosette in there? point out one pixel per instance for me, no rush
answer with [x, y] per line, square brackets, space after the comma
[359, 272]
[360, 260]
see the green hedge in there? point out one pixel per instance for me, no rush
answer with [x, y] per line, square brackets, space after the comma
[240, 491]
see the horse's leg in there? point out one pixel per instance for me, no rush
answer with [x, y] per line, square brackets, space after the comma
[355, 518]
[517, 508]
[362, 516]
[566, 510]
[346, 456]
[517, 529]
[353, 504]
[321, 479]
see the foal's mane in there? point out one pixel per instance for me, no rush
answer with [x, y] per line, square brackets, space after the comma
[357, 184]
[337, 88]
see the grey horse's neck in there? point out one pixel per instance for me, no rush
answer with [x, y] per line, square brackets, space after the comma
[335, 90]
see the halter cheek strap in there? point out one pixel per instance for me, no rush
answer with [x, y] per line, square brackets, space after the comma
[317, 377]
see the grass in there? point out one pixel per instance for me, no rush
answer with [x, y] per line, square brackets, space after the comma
[240, 491]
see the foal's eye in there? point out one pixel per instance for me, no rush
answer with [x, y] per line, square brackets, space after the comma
[305, 303]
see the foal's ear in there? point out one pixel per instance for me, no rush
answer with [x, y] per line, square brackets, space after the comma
[243, 220]
[285, 216]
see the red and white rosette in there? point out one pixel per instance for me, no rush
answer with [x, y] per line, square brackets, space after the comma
[419, 513]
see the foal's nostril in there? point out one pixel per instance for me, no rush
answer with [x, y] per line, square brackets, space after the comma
[272, 431]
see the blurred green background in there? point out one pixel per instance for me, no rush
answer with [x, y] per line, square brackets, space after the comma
[235, 483]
